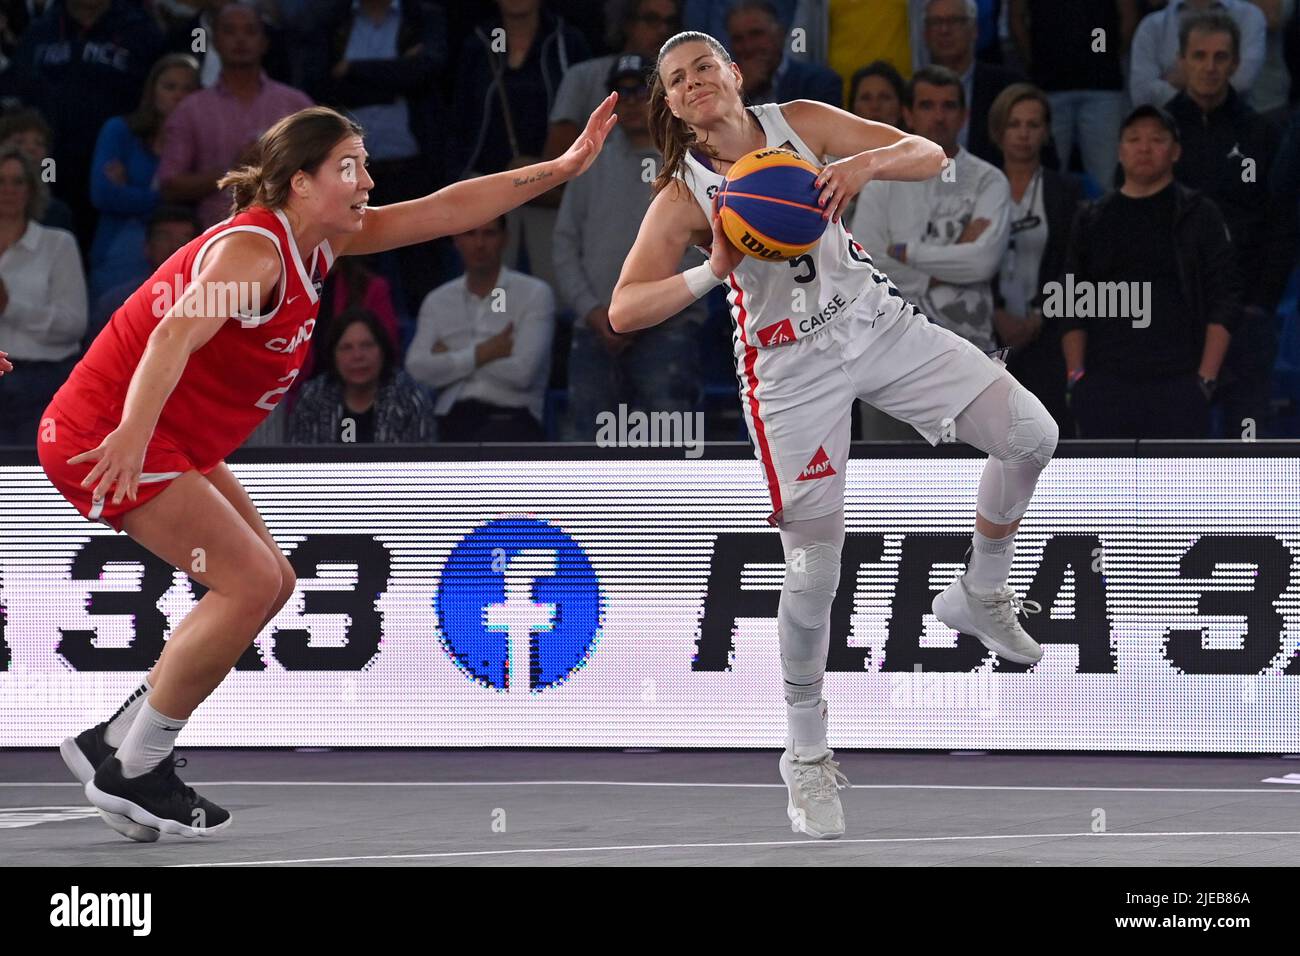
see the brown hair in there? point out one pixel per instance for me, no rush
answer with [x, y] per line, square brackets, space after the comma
[38, 195]
[146, 121]
[1000, 111]
[301, 140]
[1209, 21]
[935, 75]
[671, 135]
[25, 120]
[339, 325]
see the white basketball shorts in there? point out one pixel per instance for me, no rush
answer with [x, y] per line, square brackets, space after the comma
[798, 398]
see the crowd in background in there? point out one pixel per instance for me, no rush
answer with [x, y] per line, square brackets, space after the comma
[1148, 149]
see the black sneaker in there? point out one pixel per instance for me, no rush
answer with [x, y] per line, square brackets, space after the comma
[83, 754]
[157, 799]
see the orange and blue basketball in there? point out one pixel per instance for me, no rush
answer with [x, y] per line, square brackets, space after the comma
[768, 204]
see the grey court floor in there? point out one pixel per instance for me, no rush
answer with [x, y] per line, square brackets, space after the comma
[567, 808]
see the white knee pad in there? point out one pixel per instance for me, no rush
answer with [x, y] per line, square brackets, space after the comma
[1034, 432]
[812, 575]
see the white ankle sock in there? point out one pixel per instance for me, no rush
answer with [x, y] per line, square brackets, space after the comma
[807, 729]
[121, 721]
[990, 563]
[151, 738]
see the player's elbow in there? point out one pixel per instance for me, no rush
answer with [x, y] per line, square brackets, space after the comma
[935, 159]
[619, 320]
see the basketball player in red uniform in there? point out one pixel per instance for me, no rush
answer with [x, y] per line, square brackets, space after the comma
[185, 370]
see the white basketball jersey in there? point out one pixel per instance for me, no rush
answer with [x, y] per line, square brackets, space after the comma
[775, 303]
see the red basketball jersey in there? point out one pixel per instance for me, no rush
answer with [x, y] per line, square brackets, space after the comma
[236, 379]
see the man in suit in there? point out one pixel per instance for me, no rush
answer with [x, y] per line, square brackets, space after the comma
[771, 75]
[951, 28]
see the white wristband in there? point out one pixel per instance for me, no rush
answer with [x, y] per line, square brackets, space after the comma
[701, 279]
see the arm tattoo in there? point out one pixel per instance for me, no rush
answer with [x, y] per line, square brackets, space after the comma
[535, 177]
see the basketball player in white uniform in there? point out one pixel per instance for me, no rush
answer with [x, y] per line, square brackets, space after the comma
[811, 336]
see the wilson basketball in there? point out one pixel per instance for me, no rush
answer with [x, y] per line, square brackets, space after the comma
[768, 204]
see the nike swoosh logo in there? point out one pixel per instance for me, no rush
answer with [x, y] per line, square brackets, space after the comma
[171, 728]
[289, 301]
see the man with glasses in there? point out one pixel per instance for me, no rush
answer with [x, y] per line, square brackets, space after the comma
[951, 30]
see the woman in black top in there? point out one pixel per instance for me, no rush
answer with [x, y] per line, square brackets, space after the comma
[1043, 206]
[363, 396]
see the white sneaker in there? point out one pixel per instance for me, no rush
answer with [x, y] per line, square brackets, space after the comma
[991, 618]
[814, 786]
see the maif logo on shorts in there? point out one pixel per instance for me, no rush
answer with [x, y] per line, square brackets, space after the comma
[819, 467]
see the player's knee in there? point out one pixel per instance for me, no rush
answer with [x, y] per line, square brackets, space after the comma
[812, 575]
[288, 582]
[1034, 433]
[261, 582]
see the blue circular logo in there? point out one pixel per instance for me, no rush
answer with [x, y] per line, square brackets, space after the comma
[518, 597]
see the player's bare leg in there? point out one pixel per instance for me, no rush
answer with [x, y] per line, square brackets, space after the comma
[224, 480]
[190, 518]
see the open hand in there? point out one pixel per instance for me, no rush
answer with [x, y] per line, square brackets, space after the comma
[119, 459]
[724, 257]
[578, 157]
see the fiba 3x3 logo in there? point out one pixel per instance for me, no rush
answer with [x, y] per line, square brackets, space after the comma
[519, 606]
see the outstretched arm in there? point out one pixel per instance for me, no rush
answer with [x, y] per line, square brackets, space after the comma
[465, 205]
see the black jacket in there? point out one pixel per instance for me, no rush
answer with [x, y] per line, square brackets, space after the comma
[79, 79]
[411, 76]
[481, 144]
[986, 84]
[375, 82]
[1207, 269]
[810, 81]
[1040, 365]
[1061, 197]
[1216, 148]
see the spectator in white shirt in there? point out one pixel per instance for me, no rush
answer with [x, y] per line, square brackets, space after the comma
[42, 300]
[1156, 73]
[942, 240]
[484, 340]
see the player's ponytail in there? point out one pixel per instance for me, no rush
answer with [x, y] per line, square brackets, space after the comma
[300, 141]
[244, 184]
[671, 135]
